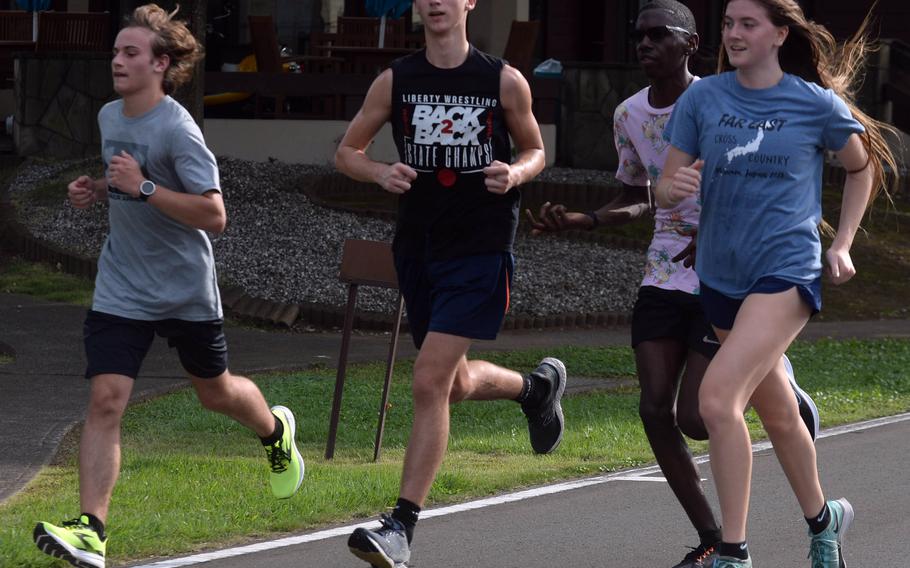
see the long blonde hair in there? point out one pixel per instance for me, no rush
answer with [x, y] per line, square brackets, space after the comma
[172, 38]
[811, 52]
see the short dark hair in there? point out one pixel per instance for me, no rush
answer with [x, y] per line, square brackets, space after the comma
[680, 15]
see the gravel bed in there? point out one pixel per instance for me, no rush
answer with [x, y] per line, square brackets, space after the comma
[281, 247]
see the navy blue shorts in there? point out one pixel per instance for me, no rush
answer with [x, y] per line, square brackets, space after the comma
[467, 296]
[672, 314]
[118, 345]
[721, 310]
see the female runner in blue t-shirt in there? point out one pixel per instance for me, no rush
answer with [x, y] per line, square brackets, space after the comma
[760, 134]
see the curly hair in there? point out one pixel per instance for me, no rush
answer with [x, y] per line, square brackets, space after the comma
[172, 38]
[812, 53]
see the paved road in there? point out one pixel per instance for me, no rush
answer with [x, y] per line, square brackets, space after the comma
[634, 521]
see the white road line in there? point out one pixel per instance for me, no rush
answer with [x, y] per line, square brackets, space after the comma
[638, 474]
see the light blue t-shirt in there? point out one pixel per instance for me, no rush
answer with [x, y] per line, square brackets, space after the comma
[761, 182]
[153, 267]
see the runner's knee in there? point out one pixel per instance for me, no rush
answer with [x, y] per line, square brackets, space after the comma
[655, 411]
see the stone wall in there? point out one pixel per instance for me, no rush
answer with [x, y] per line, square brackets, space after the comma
[591, 92]
[58, 96]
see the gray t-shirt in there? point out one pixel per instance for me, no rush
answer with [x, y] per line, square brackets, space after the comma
[153, 267]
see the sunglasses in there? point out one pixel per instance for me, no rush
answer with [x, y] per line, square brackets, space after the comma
[657, 33]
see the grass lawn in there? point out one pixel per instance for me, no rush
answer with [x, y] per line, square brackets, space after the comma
[18, 276]
[202, 481]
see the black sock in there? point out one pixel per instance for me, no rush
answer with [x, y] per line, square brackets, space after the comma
[738, 550]
[276, 435]
[96, 524]
[709, 537]
[406, 513]
[819, 522]
[533, 391]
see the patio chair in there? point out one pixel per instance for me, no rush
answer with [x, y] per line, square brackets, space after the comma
[15, 25]
[364, 263]
[519, 51]
[269, 60]
[73, 31]
[364, 32]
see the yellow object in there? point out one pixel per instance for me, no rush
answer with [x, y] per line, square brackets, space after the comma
[246, 65]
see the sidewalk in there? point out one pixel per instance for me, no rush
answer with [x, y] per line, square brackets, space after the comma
[42, 393]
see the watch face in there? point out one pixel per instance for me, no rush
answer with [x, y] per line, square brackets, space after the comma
[147, 188]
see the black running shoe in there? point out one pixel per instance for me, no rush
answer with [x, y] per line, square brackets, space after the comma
[386, 547]
[545, 419]
[700, 557]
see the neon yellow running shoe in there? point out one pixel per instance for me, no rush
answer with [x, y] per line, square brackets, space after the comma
[74, 541]
[284, 459]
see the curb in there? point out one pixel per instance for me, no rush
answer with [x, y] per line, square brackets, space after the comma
[286, 315]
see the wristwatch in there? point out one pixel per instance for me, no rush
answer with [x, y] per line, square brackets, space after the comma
[147, 189]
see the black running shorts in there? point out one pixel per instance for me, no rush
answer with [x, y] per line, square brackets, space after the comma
[661, 314]
[118, 345]
[466, 296]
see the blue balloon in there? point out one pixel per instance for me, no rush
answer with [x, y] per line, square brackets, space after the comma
[394, 8]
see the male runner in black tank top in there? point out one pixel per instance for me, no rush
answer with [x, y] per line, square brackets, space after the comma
[453, 109]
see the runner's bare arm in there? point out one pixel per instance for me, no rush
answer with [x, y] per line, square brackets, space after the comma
[204, 211]
[515, 95]
[857, 190]
[351, 158]
[681, 177]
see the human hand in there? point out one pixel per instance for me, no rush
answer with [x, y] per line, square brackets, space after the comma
[81, 192]
[499, 178]
[839, 266]
[397, 178]
[686, 181]
[124, 173]
[555, 217]
[687, 254]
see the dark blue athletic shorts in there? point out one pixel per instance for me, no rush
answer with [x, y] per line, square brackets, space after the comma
[672, 314]
[467, 296]
[118, 345]
[721, 310]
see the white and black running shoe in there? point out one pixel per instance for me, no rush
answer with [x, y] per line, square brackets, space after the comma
[808, 411]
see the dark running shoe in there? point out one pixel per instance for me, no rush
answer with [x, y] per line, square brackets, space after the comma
[386, 547]
[545, 419]
[808, 411]
[700, 557]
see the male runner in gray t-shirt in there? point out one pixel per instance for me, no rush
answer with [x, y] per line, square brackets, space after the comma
[156, 275]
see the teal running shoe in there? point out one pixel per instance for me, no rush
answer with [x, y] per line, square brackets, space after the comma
[74, 541]
[826, 547]
[730, 562]
[284, 458]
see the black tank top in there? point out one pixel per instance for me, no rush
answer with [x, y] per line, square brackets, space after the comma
[448, 124]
